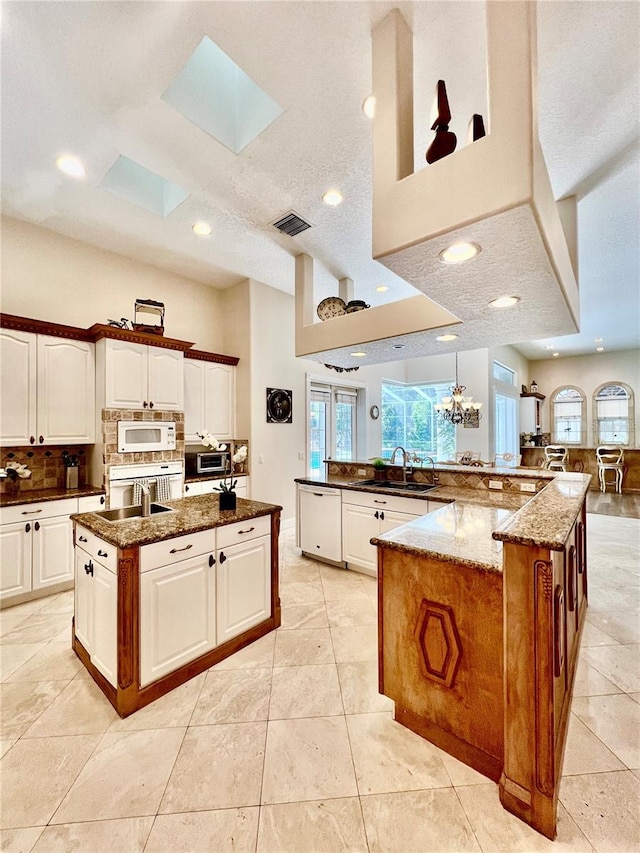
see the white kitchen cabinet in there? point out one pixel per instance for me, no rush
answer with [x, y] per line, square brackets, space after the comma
[47, 389]
[209, 399]
[243, 587]
[91, 503]
[320, 522]
[36, 546]
[96, 611]
[137, 376]
[211, 487]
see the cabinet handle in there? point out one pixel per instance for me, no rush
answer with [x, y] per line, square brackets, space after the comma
[145, 404]
[102, 553]
[382, 516]
[318, 494]
[37, 525]
[32, 439]
[186, 488]
[151, 405]
[175, 550]
[82, 539]
[376, 514]
[223, 559]
[102, 500]
[41, 439]
[89, 568]
[212, 560]
[31, 511]
[379, 502]
[242, 532]
[27, 528]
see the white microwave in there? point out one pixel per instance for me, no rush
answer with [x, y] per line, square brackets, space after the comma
[144, 436]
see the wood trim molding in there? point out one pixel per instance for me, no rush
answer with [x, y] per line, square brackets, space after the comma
[43, 327]
[99, 331]
[201, 355]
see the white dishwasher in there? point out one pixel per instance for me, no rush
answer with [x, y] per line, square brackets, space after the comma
[320, 522]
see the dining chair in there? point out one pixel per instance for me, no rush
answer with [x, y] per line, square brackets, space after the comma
[507, 460]
[610, 459]
[556, 457]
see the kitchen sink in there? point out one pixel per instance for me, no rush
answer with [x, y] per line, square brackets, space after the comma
[129, 513]
[388, 484]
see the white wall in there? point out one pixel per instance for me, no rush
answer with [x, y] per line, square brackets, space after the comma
[46, 276]
[587, 372]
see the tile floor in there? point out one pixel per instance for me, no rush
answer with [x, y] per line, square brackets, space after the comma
[287, 746]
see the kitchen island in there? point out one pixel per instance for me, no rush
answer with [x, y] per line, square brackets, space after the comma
[160, 599]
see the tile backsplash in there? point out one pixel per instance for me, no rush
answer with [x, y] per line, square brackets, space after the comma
[46, 465]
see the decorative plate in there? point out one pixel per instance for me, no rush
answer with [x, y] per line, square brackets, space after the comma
[279, 406]
[330, 307]
[374, 411]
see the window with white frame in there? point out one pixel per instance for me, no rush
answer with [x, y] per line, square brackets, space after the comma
[612, 409]
[409, 420]
[568, 412]
[503, 373]
[332, 424]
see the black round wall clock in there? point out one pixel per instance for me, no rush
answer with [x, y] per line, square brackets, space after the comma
[279, 406]
[374, 412]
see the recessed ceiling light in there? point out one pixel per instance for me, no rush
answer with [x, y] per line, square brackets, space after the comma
[369, 106]
[71, 166]
[202, 229]
[598, 340]
[332, 197]
[398, 346]
[599, 349]
[555, 354]
[459, 252]
[358, 354]
[382, 289]
[445, 338]
[505, 301]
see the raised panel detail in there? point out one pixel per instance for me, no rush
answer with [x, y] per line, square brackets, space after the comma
[438, 640]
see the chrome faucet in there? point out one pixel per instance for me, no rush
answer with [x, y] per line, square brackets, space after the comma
[434, 477]
[146, 500]
[404, 461]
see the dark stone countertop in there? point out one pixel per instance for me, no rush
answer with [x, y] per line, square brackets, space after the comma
[30, 496]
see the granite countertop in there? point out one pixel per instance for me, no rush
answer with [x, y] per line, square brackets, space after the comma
[192, 515]
[197, 478]
[30, 496]
[459, 533]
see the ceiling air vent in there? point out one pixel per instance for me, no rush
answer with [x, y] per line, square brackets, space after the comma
[291, 224]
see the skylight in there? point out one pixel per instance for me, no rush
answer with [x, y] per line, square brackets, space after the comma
[136, 184]
[220, 98]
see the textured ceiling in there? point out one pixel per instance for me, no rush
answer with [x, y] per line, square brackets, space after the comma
[87, 78]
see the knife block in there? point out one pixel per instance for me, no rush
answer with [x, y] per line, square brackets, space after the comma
[71, 477]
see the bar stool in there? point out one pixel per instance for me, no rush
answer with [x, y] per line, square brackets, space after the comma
[555, 457]
[610, 459]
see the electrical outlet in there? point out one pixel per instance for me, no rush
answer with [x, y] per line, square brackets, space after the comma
[495, 484]
[527, 487]
[301, 455]
[362, 472]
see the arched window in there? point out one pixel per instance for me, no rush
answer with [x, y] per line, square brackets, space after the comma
[613, 414]
[568, 416]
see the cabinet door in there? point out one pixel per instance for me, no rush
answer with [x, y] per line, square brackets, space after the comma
[193, 488]
[321, 523]
[66, 391]
[359, 524]
[166, 379]
[194, 419]
[15, 558]
[83, 598]
[18, 353]
[125, 375]
[104, 618]
[243, 586]
[177, 615]
[219, 396]
[91, 503]
[52, 551]
[392, 518]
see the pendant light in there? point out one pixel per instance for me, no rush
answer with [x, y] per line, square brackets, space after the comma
[457, 408]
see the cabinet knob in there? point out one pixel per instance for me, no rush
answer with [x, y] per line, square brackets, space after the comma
[37, 525]
[223, 559]
[382, 516]
[27, 528]
[212, 560]
[89, 568]
[151, 405]
[186, 488]
[102, 499]
[376, 514]
[32, 439]
[145, 404]
[41, 439]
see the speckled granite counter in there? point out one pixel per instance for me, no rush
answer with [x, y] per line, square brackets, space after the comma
[200, 512]
[30, 496]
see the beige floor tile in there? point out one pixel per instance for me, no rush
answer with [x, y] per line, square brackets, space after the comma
[233, 696]
[417, 821]
[592, 636]
[620, 664]
[258, 655]
[589, 682]
[53, 662]
[352, 611]
[388, 757]
[606, 806]
[36, 774]
[355, 644]
[62, 603]
[39, 628]
[498, 830]
[219, 767]
[299, 571]
[622, 626]
[173, 710]
[585, 753]
[305, 691]
[340, 583]
[321, 826]
[609, 598]
[460, 773]
[80, 709]
[125, 777]
[14, 655]
[5, 746]
[304, 616]
[22, 702]
[616, 722]
[19, 840]
[635, 697]
[359, 687]
[101, 836]
[302, 592]
[211, 831]
[307, 759]
[303, 647]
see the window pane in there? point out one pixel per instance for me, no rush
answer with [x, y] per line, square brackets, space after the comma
[567, 416]
[345, 431]
[504, 374]
[317, 436]
[506, 422]
[409, 420]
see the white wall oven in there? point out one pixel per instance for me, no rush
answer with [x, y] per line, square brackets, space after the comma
[165, 480]
[145, 436]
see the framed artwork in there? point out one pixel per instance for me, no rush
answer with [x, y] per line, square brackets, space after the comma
[279, 406]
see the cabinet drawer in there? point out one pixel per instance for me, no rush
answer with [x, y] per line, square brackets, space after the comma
[98, 550]
[37, 511]
[91, 503]
[375, 500]
[173, 550]
[231, 534]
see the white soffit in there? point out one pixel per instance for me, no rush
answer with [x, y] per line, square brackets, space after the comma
[140, 186]
[214, 93]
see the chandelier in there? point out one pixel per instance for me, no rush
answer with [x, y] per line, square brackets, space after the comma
[457, 408]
